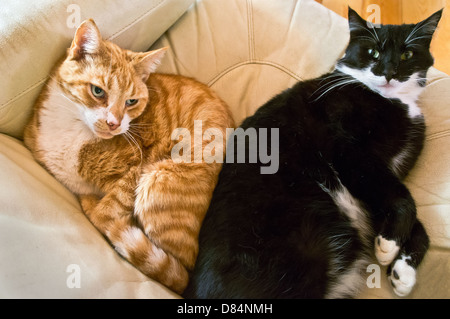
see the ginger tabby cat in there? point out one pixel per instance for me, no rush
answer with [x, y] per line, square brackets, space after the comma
[102, 126]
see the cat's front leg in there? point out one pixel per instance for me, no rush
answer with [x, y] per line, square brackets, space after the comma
[118, 188]
[396, 218]
[401, 240]
[105, 212]
[402, 271]
[388, 200]
[88, 202]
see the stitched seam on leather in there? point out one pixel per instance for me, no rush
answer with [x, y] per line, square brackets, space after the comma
[19, 95]
[135, 20]
[256, 62]
[437, 135]
[251, 34]
[33, 86]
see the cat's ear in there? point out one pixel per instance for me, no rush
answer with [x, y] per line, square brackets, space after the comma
[355, 22]
[147, 62]
[87, 40]
[426, 28]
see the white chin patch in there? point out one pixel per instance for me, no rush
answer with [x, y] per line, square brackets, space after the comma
[407, 92]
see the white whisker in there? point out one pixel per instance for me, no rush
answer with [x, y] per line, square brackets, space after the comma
[435, 81]
[375, 31]
[337, 85]
[373, 34]
[125, 136]
[141, 124]
[129, 137]
[417, 38]
[415, 29]
[334, 75]
[339, 78]
[365, 37]
[134, 131]
[152, 89]
[413, 45]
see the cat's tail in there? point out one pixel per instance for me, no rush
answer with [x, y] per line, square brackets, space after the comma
[132, 243]
[113, 217]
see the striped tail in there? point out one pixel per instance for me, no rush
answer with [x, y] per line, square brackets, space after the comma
[132, 243]
[113, 217]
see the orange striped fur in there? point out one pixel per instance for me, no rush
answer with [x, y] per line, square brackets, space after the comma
[117, 156]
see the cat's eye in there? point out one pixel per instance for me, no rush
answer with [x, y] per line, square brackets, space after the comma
[97, 92]
[407, 55]
[374, 53]
[131, 102]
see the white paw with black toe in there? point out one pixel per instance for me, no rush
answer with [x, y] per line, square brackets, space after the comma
[402, 277]
[385, 250]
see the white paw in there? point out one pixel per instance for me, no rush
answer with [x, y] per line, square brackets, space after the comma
[385, 250]
[402, 277]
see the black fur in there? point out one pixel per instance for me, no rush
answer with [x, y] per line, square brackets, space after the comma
[281, 235]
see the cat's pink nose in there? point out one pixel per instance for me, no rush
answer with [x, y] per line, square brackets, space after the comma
[112, 125]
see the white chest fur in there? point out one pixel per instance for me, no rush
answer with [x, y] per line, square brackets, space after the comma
[62, 134]
[407, 92]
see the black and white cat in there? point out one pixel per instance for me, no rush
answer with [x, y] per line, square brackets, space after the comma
[346, 140]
